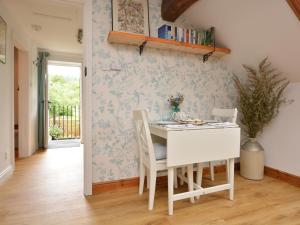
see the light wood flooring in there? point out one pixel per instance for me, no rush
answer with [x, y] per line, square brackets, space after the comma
[47, 189]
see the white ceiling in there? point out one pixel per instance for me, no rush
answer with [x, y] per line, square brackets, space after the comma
[51, 24]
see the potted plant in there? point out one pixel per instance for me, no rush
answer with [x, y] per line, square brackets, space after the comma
[260, 98]
[55, 132]
[175, 102]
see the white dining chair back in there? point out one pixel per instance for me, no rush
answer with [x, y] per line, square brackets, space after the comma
[223, 115]
[152, 156]
[144, 137]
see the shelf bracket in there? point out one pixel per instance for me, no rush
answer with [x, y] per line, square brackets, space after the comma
[207, 55]
[142, 46]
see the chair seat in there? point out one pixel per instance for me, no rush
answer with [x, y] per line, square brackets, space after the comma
[160, 151]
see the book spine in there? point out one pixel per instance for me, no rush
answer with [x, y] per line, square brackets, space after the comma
[187, 40]
[181, 34]
[194, 37]
[169, 32]
[173, 33]
[162, 32]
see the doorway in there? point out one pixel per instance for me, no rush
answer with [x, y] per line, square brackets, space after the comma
[45, 39]
[63, 125]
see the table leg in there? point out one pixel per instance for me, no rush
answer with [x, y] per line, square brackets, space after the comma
[170, 189]
[190, 171]
[199, 176]
[227, 170]
[231, 178]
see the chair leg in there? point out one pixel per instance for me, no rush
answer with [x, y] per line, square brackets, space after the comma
[148, 178]
[231, 178]
[199, 175]
[227, 170]
[152, 189]
[175, 178]
[190, 171]
[142, 178]
[170, 190]
[212, 171]
[183, 171]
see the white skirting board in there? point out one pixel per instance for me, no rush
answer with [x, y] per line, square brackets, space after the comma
[6, 173]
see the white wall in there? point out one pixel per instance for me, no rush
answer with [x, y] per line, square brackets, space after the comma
[6, 98]
[253, 29]
[63, 57]
[281, 138]
[16, 37]
[28, 82]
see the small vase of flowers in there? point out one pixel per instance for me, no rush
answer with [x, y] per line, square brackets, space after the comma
[175, 103]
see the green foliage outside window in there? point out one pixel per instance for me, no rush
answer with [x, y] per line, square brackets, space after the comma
[63, 91]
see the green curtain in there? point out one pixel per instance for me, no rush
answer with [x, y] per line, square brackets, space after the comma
[42, 72]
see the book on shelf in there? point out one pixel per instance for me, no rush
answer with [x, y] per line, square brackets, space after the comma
[191, 36]
[165, 32]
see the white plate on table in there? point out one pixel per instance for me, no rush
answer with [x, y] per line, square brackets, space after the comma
[164, 122]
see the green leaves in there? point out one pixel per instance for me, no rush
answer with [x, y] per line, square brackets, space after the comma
[64, 91]
[260, 97]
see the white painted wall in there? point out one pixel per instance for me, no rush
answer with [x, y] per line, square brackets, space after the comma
[253, 29]
[28, 82]
[16, 37]
[281, 138]
[64, 57]
[6, 98]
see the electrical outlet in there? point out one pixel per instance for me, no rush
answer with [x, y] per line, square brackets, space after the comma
[5, 155]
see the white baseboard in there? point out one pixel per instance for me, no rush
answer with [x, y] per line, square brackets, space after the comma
[6, 173]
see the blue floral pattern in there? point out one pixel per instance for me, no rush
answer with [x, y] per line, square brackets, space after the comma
[144, 82]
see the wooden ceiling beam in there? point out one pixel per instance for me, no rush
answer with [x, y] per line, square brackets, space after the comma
[172, 9]
[295, 5]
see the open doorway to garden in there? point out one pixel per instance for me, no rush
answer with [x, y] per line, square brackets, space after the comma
[64, 108]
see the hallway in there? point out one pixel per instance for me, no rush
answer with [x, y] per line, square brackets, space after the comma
[43, 187]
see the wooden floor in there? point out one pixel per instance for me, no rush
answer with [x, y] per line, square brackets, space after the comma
[47, 189]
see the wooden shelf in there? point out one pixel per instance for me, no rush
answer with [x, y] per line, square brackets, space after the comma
[159, 43]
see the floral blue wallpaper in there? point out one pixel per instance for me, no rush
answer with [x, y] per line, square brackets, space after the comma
[123, 81]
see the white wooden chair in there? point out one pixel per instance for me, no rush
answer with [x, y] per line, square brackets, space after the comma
[152, 156]
[223, 115]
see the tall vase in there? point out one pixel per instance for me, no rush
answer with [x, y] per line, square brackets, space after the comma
[175, 110]
[252, 160]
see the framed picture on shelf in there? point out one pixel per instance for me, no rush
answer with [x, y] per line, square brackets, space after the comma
[131, 16]
[3, 28]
